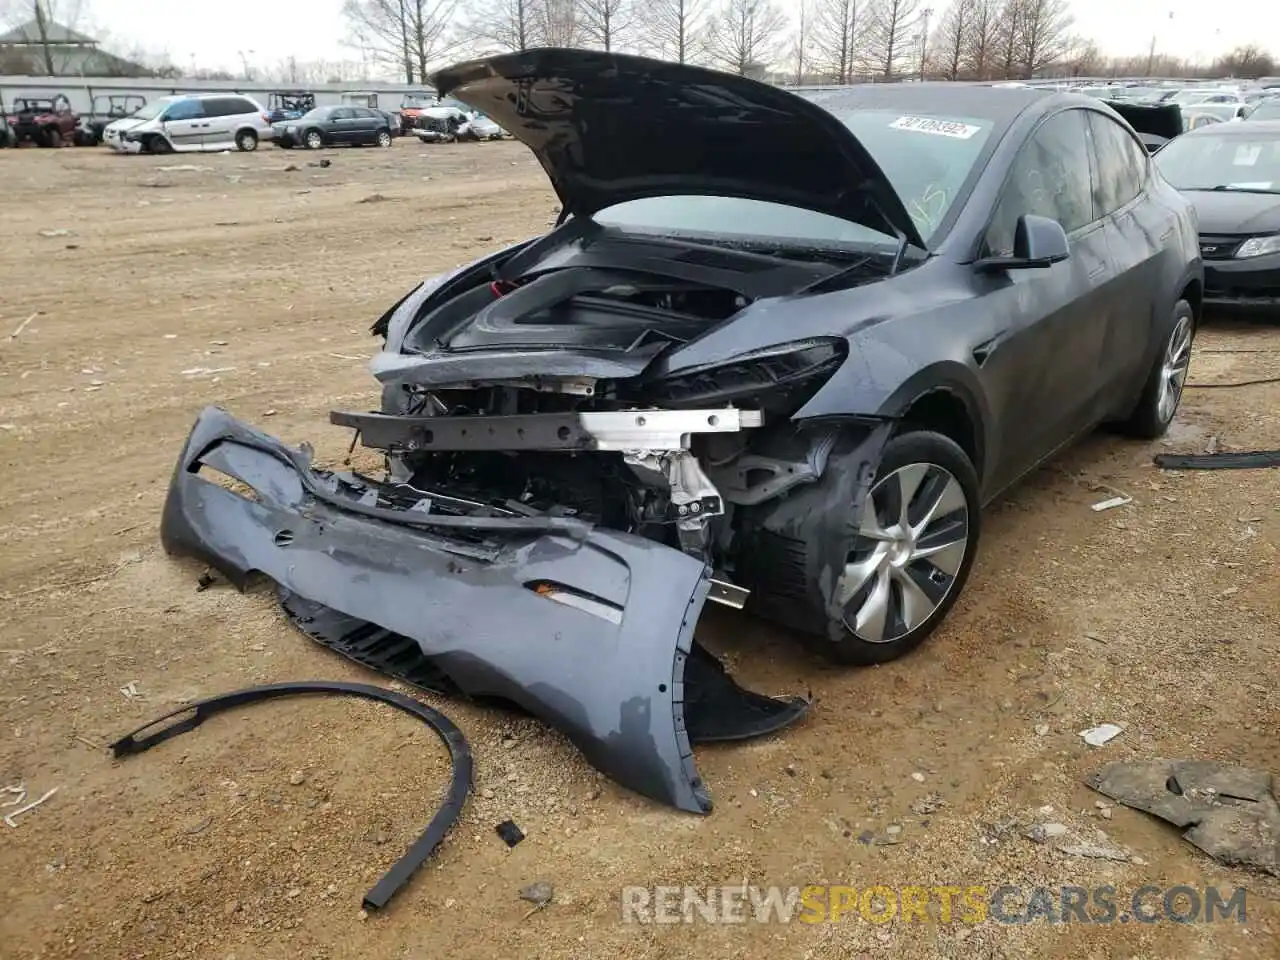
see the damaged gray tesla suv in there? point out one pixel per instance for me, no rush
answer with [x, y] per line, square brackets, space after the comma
[777, 353]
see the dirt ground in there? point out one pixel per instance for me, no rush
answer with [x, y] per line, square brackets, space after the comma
[250, 281]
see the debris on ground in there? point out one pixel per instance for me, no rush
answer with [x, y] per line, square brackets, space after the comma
[59, 232]
[509, 832]
[1102, 734]
[1110, 504]
[19, 795]
[183, 168]
[1044, 832]
[205, 581]
[929, 803]
[23, 325]
[539, 894]
[373, 198]
[131, 691]
[1253, 460]
[1095, 851]
[424, 846]
[1231, 811]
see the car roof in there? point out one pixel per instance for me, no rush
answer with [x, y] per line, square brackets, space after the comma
[1251, 128]
[1000, 105]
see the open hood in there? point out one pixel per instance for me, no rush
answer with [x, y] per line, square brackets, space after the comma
[610, 127]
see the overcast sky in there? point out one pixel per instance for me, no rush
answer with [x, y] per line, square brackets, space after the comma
[216, 32]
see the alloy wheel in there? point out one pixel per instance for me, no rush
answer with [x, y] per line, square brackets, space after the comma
[911, 545]
[1173, 369]
[314, 140]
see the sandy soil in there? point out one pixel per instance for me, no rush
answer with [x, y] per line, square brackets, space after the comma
[250, 281]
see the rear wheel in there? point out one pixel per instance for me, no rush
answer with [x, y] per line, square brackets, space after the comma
[916, 540]
[1163, 389]
[384, 138]
[246, 141]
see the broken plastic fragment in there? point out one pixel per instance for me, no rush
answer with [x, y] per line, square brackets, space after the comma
[1102, 734]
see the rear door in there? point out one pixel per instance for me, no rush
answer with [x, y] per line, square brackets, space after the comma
[1039, 361]
[219, 133]
[1138, 230]
[366, 126]
[184, 124]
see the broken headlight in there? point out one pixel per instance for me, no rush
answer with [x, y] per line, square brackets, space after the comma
[779, 378]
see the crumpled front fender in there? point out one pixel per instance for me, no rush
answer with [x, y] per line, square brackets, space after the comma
[608, 671]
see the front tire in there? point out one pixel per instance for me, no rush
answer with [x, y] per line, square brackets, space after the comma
[314, 140]
[158, 144]
[246, 141]
[916, 541]
[1163, 389]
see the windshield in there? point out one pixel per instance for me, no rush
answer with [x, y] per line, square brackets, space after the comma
[1222, 162]
[742, 221]
[149, 111]
[926, 158]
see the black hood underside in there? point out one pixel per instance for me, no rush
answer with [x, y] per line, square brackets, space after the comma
[610, 127]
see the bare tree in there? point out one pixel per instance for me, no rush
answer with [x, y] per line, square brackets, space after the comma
[889, 24]
[746, 35]
[558, 22]
[801, 41]
[981, 38]
[42, 19]
[409, 35]
[836, 36]
[504, 24]
[604, 23]
[1247, 61]
[1008, 33]
[952, 38]
[671, 29]
[1043, 37]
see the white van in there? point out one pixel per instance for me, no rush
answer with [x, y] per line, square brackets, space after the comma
[191, 123]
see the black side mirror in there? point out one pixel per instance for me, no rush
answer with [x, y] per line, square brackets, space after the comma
[1038, 242]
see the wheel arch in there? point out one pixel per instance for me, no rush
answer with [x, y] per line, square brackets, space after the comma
[944, 396]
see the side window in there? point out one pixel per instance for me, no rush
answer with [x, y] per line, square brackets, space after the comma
[342, 113]
[217, 107]
[184, 110]
[1050, 178]
[238, 107]
[1121, 163]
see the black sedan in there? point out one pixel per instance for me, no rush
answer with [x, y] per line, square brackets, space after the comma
[777, 352]
[1231, 173]
[334, 126]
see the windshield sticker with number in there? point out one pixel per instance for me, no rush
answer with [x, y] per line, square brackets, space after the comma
[941, 128]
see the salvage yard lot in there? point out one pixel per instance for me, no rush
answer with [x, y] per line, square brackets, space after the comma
[233, 279]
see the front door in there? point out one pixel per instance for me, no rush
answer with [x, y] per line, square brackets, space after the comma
[184, 124]
[342, 125]
[1047, 327]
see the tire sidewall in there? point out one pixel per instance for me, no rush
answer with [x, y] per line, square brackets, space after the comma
[246, 141]
[1145, 421]
[384, 139]
[906, 447]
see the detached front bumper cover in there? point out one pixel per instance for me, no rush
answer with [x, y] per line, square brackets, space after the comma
[589, 629]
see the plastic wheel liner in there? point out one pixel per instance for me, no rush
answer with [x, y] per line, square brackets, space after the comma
[459, 757]
[476, 595]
